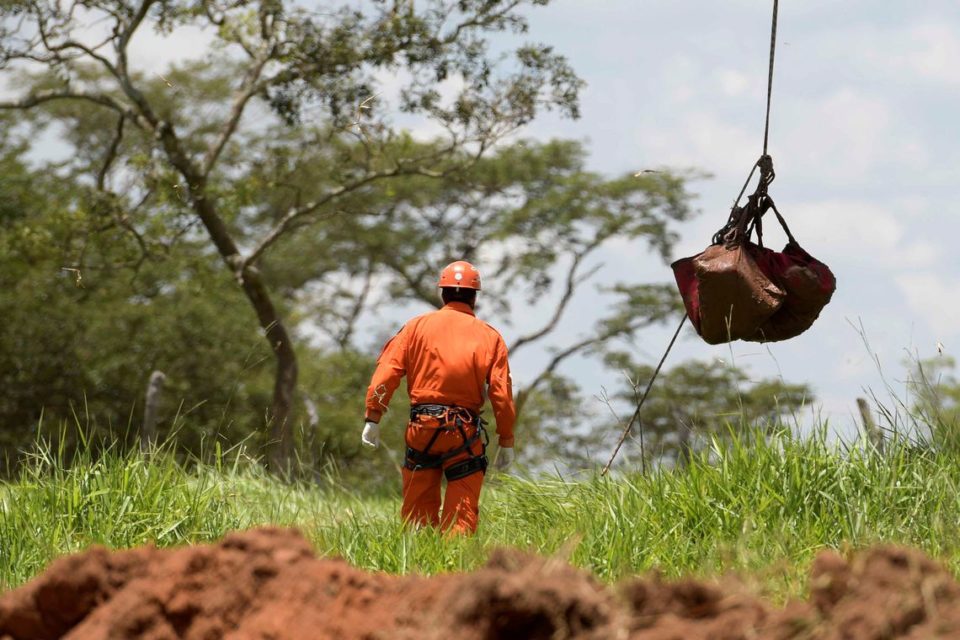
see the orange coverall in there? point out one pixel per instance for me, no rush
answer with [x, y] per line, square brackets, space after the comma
[448, 356]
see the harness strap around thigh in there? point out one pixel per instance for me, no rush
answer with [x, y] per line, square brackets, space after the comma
[422, 459]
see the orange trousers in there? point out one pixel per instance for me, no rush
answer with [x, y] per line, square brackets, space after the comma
[421, 487]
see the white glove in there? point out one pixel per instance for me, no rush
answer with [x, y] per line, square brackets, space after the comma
[371, 435]
[505, 457]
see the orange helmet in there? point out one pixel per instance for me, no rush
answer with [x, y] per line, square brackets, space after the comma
[460, 274]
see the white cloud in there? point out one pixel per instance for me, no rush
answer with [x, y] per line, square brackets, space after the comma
[933, 52]
[924, 47]
[861, 232]
[732, 82]
[936, 299]
[841, 138]
[682, 77]
[702, 138]
[152, 52]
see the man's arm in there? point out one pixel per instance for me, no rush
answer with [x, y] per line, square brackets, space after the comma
[500, 388]
[391, 367]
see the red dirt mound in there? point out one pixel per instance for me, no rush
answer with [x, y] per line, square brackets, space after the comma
[267, 583]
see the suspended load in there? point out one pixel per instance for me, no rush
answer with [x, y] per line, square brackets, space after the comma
[737, 289]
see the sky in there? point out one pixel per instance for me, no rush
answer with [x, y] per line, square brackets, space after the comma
[864, 138]
[863, 135]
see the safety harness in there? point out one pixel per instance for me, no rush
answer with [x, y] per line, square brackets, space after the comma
[449, 418]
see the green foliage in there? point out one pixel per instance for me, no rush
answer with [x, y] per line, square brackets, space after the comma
[696, 401]
[760, 504]
[526, 213]
[86, 320]
[558, 430]
[935, 388]
[143, 292]
[89, 314]
[322, 215]
[165, 153]
[689, 406]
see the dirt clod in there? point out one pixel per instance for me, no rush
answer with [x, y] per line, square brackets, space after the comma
[267, 583]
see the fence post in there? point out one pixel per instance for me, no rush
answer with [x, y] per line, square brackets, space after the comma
[148, 432]
[869, 425]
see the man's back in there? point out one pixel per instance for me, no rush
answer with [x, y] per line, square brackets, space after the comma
[449, 357]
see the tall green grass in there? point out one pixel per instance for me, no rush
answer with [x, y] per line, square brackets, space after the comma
[761, 506]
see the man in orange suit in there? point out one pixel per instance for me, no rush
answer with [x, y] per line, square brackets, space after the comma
[452, 362]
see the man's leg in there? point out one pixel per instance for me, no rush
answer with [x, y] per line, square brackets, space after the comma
[421, 496]
[461, 504]
[421, 488]
[461, 501]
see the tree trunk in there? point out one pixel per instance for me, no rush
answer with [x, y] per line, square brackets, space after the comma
[280, 449]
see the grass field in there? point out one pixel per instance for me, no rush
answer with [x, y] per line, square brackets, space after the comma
[761, 508]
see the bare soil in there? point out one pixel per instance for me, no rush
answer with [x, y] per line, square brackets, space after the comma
[267, 583]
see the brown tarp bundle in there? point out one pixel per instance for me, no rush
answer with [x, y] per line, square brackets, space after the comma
[735, 296]
[739, 290]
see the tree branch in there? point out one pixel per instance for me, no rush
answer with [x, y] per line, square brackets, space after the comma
[56, 49]
[572, 350]
[572, 282]
[248, 88]
[413, 283]
[295, 213]
[111, 154]
[351, 320]
[123, 73]
[89, 51]
[42, 97]
[127, 35]
[480, 20]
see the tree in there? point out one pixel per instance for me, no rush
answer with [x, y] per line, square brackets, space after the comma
[82, 342]
[567, 430]
[697, 400]
[935, 389]
[89, 314]
[530, 214]
[563, 429]
[286, 57]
